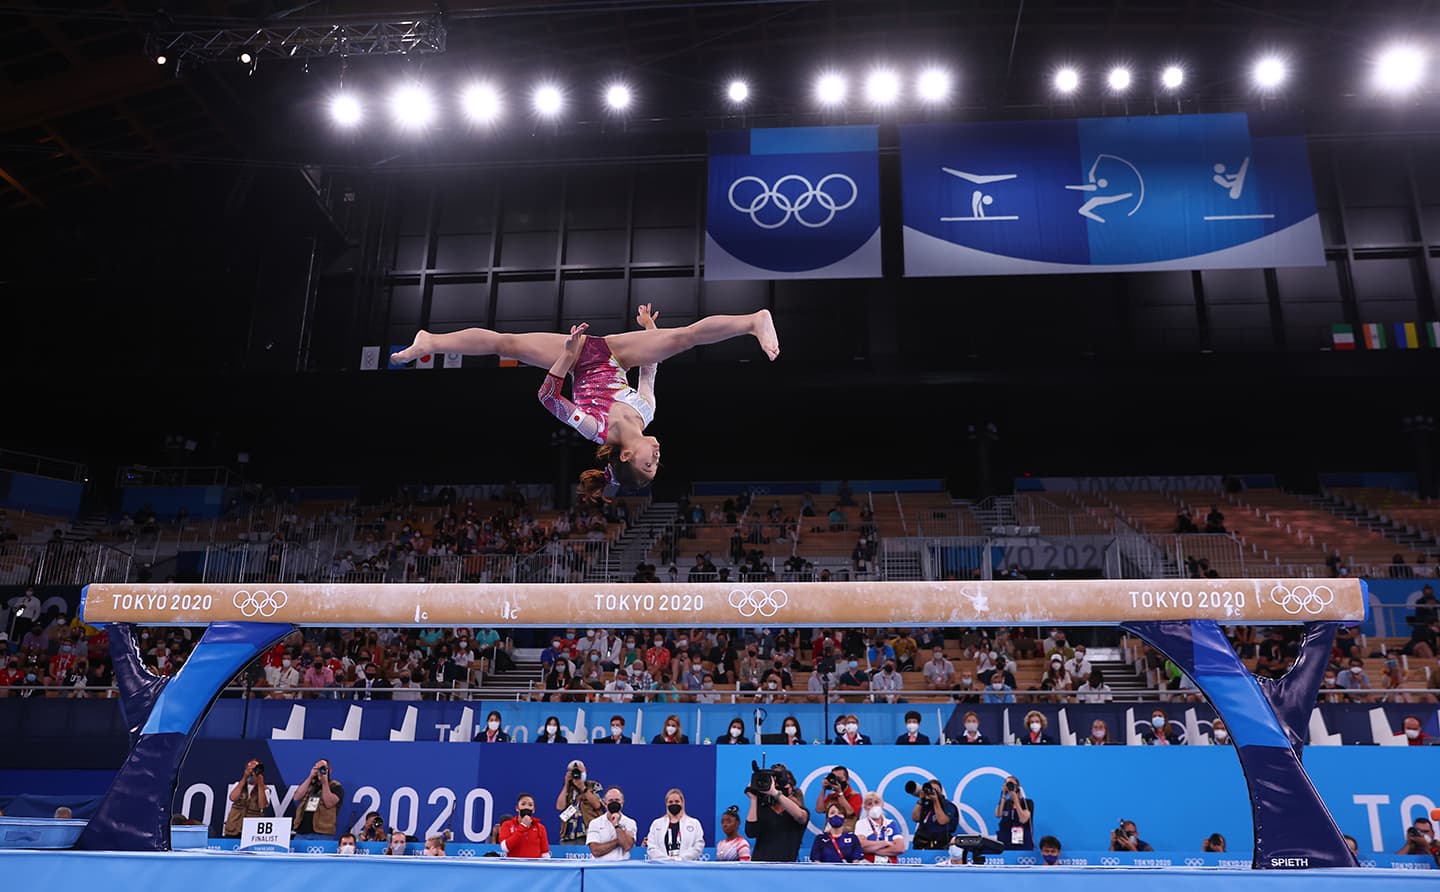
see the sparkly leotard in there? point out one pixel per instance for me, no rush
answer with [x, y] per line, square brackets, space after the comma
[599, 383]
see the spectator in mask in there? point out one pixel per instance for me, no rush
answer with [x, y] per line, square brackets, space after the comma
[523, 836]
[735, 734]
[970, 734]
[550, 732]
[850, 733]
[675, 836]
[1050, 850]
[836, 845]
[671, 732]
[1158, 731]
[617, 731]
[881, 838]
[1219, 734]
[611, 835]
[492, 732]
[912, 735]
[1099, 734]
[1034, 733]
[397, 843]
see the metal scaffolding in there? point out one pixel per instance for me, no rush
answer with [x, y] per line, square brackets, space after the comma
[425, 34]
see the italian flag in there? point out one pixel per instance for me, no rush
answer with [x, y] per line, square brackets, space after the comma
[1343, 337]
[1374, 336]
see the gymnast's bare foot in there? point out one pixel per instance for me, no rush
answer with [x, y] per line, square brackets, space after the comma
[423, 343]
[765, 334]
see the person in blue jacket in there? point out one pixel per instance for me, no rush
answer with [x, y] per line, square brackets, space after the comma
[836, 845]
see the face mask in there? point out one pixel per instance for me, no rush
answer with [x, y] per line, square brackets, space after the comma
[347, 849]
[854, 665]
[1158, 721]
[617, 730]
[735, 732]
[709, 685]
[613, 807]
[965, 680]
[972, 726]
[555, 645]
[772, 685]
[836, 821]
[396, 848]
[65, 649]
[674, 808]
[912, 727]
[659, 641]
[875, 812]
[998, 685]
[493, 724]
[1079, 655]
[1221, 735]
[551, 729]
[594, 657]
[1034, 727]
[1329, 682]
[791, 730]
[889, 670]
[526, 812]
[1412, 733]
[285, 663]
[670, 730]
[1098, 733]
[851, 727]
[1050, 859]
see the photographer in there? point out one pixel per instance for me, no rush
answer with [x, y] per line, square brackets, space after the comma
[372, 829]
[1016, 814]
[1126, 838]
[835, 790]
[316, 804]
[578, 803]
[248, 798]
[777, 816]
[936, 817]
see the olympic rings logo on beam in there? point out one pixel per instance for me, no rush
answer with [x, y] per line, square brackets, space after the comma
[794, 205]
[1302, 599]
[758, 602]
[260, 603]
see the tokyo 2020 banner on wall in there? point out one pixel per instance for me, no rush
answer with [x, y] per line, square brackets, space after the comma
[1166, 192]
[793, 203]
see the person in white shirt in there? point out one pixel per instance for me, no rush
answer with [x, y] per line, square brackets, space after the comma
[1078, 666]
[1094, 690]
[888, 682]
[611, 836]
[881, 837]
[618, 690]
[675, 836]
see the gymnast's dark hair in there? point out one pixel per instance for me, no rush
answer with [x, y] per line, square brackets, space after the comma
[601, 485]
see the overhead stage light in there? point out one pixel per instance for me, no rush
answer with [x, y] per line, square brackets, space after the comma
[1269, 72]
[830, 89]
[1172, 77]
[933, 85]
[412, 106]
[246, 58]
[882, 87]
[1400, 69]
[1118, 79]
[617, 97]
[161, 59]
[548, 100]
[738, 91]
[481, 103]
[1067, 80]
[345, 110]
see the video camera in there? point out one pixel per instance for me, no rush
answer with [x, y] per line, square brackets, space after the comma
[762, 778]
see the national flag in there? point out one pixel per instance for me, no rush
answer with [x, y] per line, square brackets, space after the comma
[369, 358]
[396, 348]
[454, 360]
[1374, 336]
[426, 361]
[1343, 337]
[1432, 333]
[1406, 337]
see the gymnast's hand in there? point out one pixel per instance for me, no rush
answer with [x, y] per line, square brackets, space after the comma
[577, 336]
[645, 317]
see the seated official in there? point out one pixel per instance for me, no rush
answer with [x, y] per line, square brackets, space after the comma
[675, 836]
[735, 734]
[836, 845]
[912, 735]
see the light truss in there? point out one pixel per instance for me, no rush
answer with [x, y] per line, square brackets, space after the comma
[308, 40]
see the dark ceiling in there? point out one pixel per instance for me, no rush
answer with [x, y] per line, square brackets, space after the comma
[85, 106]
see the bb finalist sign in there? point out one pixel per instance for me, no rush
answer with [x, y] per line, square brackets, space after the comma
[793, 203]
[1165, 192]
[265, 835]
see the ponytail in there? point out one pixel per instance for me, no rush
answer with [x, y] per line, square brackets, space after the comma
[596, 485]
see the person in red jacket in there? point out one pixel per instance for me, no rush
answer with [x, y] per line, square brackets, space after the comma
[523, 836]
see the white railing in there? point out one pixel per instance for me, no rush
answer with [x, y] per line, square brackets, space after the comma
[63, 563]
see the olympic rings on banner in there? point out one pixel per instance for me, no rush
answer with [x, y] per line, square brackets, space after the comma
[758, 601]
[260, 603]
[1302, 598]
[794, 205]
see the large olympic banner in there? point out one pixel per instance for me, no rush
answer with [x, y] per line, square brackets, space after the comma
[1176, 796]
[793, 203]
[1169, 192]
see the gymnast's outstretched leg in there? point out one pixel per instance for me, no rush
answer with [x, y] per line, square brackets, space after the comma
[537, 348]
[632, 348]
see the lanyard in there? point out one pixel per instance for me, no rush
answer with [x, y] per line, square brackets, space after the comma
[836, 845]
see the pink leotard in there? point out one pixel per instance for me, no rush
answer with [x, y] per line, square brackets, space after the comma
[599, 383]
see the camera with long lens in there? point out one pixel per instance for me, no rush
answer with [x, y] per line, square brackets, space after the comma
[919, 791]
[832, 781]
[576, 773]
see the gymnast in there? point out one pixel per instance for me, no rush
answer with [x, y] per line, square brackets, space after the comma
[605, 408]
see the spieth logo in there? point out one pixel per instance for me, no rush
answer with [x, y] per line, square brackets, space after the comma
[1289, 862]
[758, 602]
[1302, 598]
[792, 197]
[260, 603]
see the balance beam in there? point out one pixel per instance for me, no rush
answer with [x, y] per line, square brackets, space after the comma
[973, 603]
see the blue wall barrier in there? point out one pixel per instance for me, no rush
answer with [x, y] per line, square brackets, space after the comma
[198, 501]
[43, 495]
[1392, 593]
[1080, 793]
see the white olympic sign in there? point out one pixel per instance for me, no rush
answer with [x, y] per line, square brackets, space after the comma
[260, 603]
[758, 602]
[793, 194]
[971, 820]
[1302, 598]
